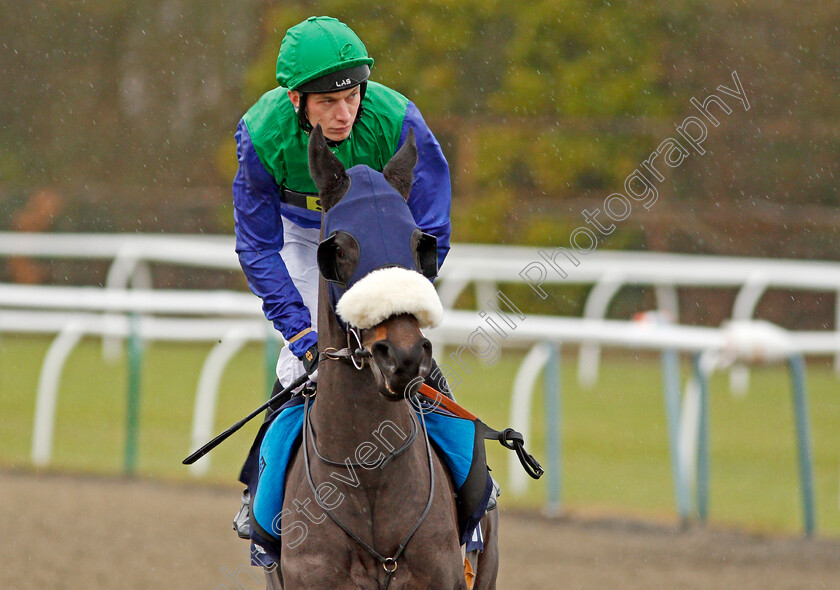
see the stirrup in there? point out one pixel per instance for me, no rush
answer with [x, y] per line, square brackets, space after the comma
[242, 520]
[494, 495]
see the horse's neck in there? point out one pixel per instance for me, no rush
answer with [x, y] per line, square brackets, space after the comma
[349, 409]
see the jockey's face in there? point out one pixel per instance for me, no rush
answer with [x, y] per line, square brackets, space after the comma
[335, 111]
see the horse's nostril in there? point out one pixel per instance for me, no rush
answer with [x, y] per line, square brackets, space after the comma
[381, 352]
[426, 359]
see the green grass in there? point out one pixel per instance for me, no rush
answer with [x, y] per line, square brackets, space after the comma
[615, 441]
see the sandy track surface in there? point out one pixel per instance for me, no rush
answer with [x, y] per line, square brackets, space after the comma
[72, 532]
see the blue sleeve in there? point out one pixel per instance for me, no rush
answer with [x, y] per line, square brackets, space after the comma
[259, 238]
[431, 193]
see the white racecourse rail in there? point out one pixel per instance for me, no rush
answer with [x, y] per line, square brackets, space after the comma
[73, 311]
[483, 266]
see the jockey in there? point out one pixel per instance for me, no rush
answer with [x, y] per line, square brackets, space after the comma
[322, 69]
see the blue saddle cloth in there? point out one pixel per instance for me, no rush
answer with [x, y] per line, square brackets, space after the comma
[459, 442]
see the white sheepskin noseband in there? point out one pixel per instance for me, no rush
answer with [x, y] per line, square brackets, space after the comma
[387, 292]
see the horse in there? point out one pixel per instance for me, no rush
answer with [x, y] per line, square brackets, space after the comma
[378, 500]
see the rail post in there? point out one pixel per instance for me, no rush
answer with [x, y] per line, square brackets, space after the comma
[803, 439]
[553, 428]
[135, 367]
[702, 378]
[671, 389]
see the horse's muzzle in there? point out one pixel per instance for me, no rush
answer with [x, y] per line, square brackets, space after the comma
[398, 366]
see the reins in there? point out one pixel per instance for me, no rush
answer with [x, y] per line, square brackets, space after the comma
[389, 564]
[359, 355]
[391, 456]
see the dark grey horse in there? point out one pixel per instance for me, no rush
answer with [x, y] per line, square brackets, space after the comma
[385, 526]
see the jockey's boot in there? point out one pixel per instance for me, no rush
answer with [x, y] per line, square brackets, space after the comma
[242, 520]
[494, 495]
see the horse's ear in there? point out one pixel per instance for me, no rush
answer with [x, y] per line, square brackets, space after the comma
[399, 171]
[326, 170]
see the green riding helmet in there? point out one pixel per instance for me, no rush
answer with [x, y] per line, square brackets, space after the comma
[322, 54]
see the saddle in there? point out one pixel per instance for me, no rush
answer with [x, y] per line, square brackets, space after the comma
[458, 440]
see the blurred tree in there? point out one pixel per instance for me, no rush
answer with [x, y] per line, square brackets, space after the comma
[124, 98]
[543, 108]
[768, 184]
[127, 109]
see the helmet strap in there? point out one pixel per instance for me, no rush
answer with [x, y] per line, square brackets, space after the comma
[301, 113]
[362, 89]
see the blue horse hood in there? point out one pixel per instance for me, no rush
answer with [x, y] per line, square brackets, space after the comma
[378, 218]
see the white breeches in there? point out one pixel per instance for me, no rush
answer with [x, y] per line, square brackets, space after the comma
[300, 246]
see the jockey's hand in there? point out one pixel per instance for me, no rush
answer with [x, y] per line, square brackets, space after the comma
[310, 362]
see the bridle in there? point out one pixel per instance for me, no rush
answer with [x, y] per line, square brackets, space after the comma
[358, 355]
[355, 352]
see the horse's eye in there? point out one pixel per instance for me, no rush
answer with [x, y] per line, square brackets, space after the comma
[338, 256]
